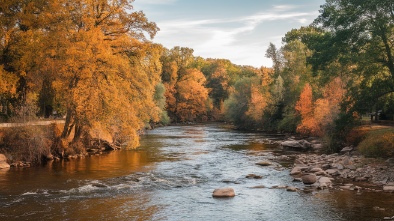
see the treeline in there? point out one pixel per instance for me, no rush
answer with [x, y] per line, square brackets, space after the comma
[93, 62]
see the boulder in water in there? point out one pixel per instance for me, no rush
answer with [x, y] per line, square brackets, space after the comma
[309, 179]
[223, 192]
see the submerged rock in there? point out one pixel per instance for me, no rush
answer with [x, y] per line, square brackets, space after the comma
[223, 192]
[253, 176]
[258, 187]
[264, 163]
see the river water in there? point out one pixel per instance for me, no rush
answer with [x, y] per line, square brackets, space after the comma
[172, 176]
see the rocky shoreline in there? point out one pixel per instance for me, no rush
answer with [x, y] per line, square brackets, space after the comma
[344, 172]
[93, 150]
[347, 170]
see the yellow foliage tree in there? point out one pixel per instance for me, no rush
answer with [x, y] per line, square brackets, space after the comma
[193, 102]
[316, 116]
[257, 103]
[304, 107]
[106, 70]
[328, 107]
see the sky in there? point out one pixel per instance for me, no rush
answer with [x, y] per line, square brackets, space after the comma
[240, 31]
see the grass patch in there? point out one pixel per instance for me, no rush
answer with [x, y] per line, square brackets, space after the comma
[378, 143]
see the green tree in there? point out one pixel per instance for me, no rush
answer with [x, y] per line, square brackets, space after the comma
[361, 38]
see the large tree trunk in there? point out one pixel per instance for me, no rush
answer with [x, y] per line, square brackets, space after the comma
[78, 132]
[68, 124]
[390, 59]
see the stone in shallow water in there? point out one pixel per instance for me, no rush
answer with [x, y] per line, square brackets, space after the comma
[264, 163]
[253, 176]
[223, 192]
[309, 179]
[291, 189]
[259, 187]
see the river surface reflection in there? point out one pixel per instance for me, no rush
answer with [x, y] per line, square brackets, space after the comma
[171, 177]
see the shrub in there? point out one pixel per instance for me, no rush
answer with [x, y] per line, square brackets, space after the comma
[357, 135]
[29, 143]
[336, 133]
[378, 143]
[289, 123]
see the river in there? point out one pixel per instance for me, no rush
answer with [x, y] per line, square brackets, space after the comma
[172, 177]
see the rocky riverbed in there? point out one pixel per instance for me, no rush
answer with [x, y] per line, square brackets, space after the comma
[347, 172]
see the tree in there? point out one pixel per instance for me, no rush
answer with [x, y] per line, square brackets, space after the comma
[274, 54]
[21, 34]
[328, 108]
[106, 69]
[257, 103]
[237, 104]
[305, 108]
[160, 101]
[361, 37]
[8, 84]
[218, 85]
[193, 102]
[247, 103]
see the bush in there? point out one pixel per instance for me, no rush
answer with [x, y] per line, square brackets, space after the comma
[28, 144]
[357, 135]
[337, 133]
[289, 123]
[378, 143]
[165, 119]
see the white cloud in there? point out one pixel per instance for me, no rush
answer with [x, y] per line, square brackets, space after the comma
[221, 38]
[284, 7]
[303, 21]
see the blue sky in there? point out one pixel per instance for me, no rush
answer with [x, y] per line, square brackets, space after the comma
[236, 30]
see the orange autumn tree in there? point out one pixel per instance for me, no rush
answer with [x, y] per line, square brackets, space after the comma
[193, 102]
[106, 69]
[327, 108]
[257, 103]
[317, 116]
[304, 107]
[8, 83]
[170, 78]
[260, 96]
